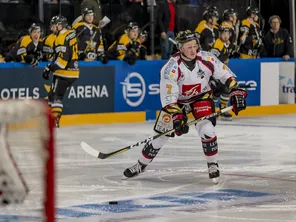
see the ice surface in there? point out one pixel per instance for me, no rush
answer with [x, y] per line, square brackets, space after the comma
[257, 162]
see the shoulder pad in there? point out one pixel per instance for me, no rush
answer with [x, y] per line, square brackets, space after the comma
[25, 40]
[218, 44]
[77, 25]
[170, 66]
[246, 22]
[124, 39]
[208, 56]
[226, 24]
[70, 35]
[200, 28]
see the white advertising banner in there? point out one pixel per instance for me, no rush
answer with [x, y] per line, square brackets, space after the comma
[269, 94]
[286, 85]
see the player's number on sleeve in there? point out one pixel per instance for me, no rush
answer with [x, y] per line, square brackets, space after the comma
[169, 87]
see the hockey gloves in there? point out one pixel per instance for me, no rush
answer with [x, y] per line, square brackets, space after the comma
[179, 119]
[46, 72]
[103, 58]
[238, 100]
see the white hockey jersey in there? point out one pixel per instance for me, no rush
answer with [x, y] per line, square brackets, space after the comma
[180, 85]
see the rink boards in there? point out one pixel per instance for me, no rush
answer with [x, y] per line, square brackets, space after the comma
[117, 92]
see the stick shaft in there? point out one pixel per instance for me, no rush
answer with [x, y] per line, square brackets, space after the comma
[107, 155]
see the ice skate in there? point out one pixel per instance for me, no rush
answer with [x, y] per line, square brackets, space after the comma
[226, 116]
[133, 171]
[214, 172]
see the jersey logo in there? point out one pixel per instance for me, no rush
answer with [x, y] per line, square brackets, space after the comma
[191, 90]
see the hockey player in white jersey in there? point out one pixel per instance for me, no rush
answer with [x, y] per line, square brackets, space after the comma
[185, 88]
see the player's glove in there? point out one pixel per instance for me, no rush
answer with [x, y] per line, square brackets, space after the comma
[179, 119]
[34, 62]
[81, 56]
[238, 100]
[103, 58]
[46, 72]
[130, 58]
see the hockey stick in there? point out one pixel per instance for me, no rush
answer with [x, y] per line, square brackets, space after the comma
[91, 151]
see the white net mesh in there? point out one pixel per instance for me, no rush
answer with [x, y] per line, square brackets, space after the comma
[31, 142]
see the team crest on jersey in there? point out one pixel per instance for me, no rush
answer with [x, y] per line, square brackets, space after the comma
[201, 74]
[191, 90]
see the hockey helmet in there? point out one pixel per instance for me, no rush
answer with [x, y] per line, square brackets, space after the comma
[86, 12]
[228, 13]
[59, 20]
[144, 34]
[252, 10]
[185, 36]
[53, 20]
[210, 14]
[34, 27]
[209, 8]
[132, 25]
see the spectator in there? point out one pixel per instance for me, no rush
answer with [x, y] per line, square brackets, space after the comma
[277, 42]
[167, 18]
[94, 5]
[250, 35]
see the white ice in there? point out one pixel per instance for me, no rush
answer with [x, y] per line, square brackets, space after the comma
[257, 158]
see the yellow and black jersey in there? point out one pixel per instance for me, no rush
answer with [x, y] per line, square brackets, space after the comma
[199, 27]
[222, 50]
[119, 48]
[207, 36]
[26, 51]
[90, 40]
[65, 63]
[232, 31]
[47, 47]
[249, 37]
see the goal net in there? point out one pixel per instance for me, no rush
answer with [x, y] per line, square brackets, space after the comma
[27, 134]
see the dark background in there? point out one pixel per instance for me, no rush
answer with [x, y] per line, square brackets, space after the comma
[17, 17]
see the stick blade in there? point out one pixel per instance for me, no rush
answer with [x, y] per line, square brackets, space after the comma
[88, 149]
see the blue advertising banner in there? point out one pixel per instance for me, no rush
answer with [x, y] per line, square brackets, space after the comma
[137, 86]
[248, 74]
[93, 92]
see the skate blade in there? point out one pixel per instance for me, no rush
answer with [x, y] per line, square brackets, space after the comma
[215, 180]
[128, 178]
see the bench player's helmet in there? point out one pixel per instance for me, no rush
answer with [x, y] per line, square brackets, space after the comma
[252, 10]
[34, 27]
[209, 8]
[208, 14]
[228, 14]
[59, 20]
[132, 25]
[86, 12]
[186, 36]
